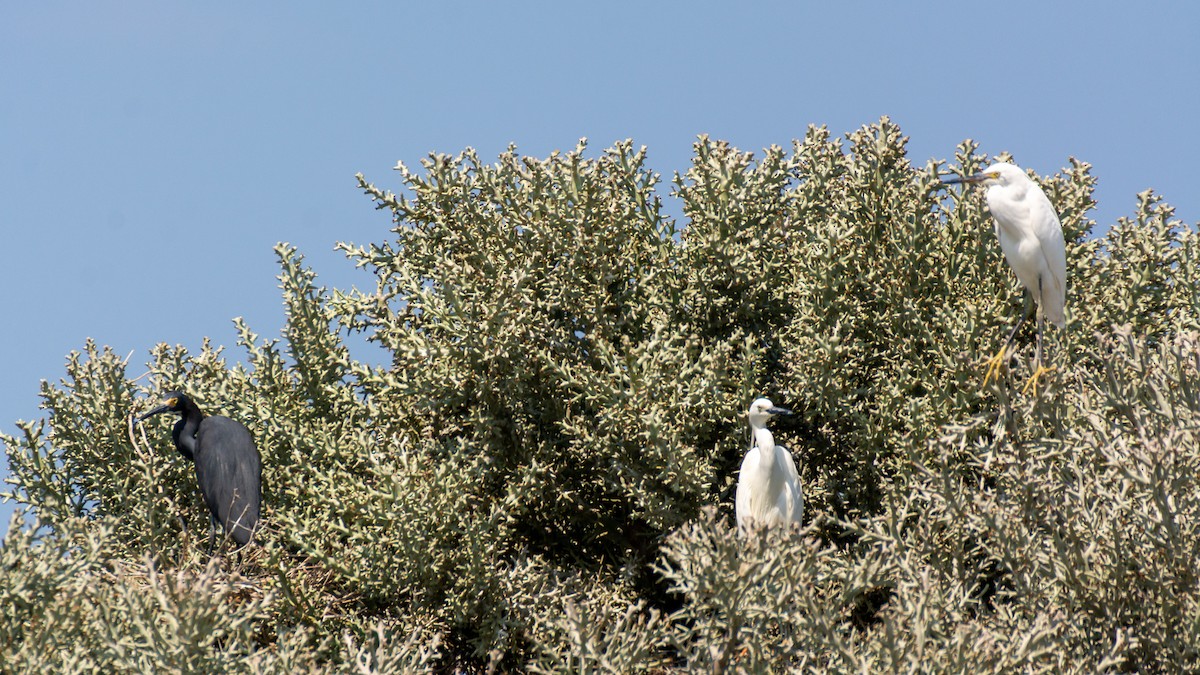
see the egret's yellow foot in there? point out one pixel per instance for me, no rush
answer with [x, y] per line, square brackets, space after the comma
[1032, 383]
[995, 365]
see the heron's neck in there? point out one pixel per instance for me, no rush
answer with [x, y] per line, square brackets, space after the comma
[184, 433]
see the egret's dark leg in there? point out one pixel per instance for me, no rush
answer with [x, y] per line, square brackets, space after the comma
[997, 362]
[1040, 369]
[1041, 329]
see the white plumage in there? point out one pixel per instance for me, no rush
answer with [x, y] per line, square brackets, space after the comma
[768, 489]
[1032, 240]
[1030, 236]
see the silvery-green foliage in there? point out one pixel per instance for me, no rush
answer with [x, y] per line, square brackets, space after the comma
[590, 627]
[71, 606]
[539, 475]
[385, 650]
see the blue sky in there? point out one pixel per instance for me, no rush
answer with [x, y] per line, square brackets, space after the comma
[152, 153]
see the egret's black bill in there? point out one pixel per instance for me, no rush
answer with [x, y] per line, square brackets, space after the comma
[963, 179]
[778, 411]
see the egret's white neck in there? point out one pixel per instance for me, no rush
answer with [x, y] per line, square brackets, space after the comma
[1014, 193]
[765, 442]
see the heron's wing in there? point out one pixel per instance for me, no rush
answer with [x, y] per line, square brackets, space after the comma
[1049, 233]
[229, 470]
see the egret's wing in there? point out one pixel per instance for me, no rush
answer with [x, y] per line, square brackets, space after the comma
[742, 498]
[792, 478]
[789, 465]
[1049, 233]
[229, 470]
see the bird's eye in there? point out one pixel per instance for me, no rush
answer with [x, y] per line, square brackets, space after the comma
[994, 174]
[172, 401]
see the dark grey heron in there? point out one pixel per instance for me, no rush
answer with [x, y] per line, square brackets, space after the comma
[228, 466]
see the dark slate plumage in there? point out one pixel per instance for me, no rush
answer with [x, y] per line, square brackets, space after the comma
[228, 466]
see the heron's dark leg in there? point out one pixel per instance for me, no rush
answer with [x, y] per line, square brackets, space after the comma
[1040, 369]
[212, 534]
[997, 362]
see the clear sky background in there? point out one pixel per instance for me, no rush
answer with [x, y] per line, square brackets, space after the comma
[153, 152]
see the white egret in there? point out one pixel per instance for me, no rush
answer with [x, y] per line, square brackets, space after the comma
[768, 489]
[1032, 240]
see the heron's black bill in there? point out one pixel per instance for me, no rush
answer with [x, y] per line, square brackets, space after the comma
[778, 411]
[156, 411]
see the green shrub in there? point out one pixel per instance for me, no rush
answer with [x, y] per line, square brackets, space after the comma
[540, 474]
